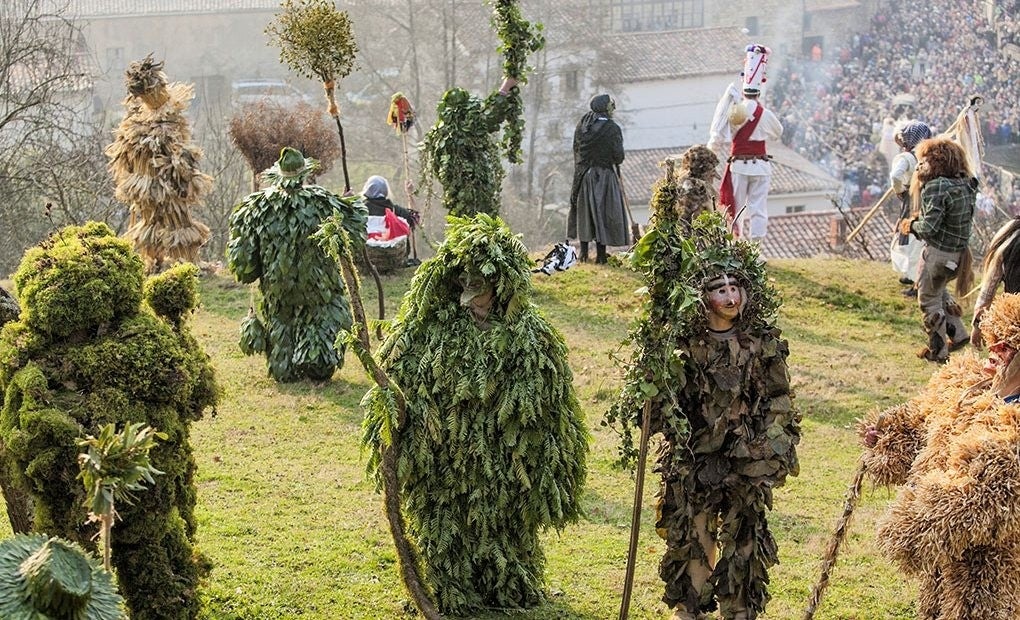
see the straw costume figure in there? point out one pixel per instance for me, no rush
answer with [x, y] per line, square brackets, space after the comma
[710, 361]
[154, 164]
[304, 302]
[86, 353]
[955, 449]
[494, 445]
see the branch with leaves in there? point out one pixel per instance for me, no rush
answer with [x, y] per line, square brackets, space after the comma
[335, 240]
[316, 42]
[113, 467]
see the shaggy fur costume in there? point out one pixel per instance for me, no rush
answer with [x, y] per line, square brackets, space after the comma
[955, 448]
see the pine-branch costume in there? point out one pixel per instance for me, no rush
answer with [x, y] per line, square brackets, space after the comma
[721, 401]
[86, 353]
[304, 302]
[955, 449]
[494, 447]
[154, 164]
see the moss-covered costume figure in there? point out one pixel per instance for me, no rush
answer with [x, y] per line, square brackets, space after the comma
[304, 302]
[494, 447]
[85, 353]
[711, 361]
[955, 449]
[154, 164]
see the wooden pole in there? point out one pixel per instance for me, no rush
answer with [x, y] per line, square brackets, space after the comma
[853, 493]
[635, 229]
[635, 519]
[870, 214]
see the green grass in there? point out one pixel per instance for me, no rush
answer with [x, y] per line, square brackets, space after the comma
[295, 530]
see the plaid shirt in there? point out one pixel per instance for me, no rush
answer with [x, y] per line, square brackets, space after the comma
[947, 213]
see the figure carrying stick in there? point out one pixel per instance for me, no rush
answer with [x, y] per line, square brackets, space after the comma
[710, 360]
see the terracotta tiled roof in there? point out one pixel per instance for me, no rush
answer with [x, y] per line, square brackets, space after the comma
[806, 235]
[677, 53]
[1007, 157]
[791, 173]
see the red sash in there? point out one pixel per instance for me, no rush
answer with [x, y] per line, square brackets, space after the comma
[742, 145]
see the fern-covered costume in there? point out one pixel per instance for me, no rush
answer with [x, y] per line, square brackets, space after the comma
[86, 353]
[722, 402]
[304, 302]
[494, 447]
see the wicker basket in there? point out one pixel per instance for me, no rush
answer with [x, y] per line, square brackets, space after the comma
[386, 256]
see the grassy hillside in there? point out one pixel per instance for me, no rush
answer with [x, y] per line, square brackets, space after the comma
[295, 529]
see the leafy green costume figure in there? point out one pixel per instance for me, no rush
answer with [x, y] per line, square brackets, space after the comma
[304, 302]
[709, 357]
[43, 577]
[494, 446]
[86, 353]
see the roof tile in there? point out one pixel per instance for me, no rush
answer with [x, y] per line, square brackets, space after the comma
[677, 53]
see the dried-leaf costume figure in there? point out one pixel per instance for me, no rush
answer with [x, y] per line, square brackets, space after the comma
[154, 164]
[955, 449]
[494, 447]
[86, 353]
[304, 302]
[709, 358]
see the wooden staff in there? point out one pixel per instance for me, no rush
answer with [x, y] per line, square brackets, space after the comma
[635, 229]
[870, 214]
[635, 519]
[410, 198]
[853, 493]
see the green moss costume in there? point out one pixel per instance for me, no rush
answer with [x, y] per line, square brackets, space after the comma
[722, 402]
[84, 354]
[304, 302]
[494, 447]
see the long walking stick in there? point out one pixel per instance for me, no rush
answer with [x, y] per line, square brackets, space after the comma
[853, 493]
[410, 199]
[870, 214]
[635, 229]
[401, 117]
[635, 519]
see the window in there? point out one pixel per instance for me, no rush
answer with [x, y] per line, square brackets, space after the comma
[570, 82]
[115, 59]
[751, 23]
[795, 209]
[649, 15]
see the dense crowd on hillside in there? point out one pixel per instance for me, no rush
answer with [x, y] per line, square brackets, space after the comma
[918, 59]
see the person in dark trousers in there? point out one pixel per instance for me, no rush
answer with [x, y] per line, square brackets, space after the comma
[946, 189]
[597, 212]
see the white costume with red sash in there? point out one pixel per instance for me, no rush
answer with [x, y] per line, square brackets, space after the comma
[746, 126]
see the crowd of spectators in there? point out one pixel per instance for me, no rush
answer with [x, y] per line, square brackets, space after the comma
[920, 59]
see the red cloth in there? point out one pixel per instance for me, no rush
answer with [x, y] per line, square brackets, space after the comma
[395, 227]
[742, 145]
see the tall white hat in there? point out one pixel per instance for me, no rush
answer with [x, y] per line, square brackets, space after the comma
[753, 75]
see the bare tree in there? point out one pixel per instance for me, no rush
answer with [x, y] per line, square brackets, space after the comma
[45, 130]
